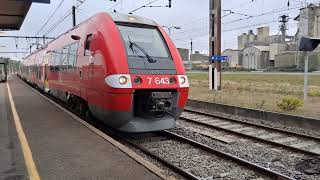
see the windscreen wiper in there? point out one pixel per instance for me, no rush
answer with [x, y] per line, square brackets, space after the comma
[150, 59]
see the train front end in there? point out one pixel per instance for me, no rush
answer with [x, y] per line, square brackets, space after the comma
[153, 90]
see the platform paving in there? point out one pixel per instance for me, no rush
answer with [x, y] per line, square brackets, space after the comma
[62, 148]
[12, 164]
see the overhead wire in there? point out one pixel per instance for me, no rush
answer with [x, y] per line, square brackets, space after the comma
[67, 14]
[263, 14]
[54, 12]
[143, 6]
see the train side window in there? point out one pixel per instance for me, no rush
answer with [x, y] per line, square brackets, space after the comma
[51, 57]
[87, 51]
[57, 58]
[72, 56]
[64, 58]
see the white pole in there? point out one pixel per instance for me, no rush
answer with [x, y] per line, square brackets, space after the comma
[306, 64]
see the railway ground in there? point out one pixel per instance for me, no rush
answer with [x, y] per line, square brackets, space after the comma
[54, 144]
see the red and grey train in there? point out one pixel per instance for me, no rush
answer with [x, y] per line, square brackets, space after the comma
[121, 69]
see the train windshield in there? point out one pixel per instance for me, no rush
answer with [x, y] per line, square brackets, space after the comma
[147, 51]
[148, 39]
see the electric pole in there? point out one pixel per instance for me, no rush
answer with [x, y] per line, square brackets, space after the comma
[74, 16]
[215, 44]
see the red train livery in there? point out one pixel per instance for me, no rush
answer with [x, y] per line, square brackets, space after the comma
[123, 70]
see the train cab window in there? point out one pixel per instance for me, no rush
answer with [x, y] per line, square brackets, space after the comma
[87, 51]
[64, 58]
[72, 56]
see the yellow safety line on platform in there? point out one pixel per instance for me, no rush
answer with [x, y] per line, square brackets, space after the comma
[31, 167]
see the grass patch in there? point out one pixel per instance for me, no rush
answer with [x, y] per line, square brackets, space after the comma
[314, 93]
[258, 91]
[290, 103]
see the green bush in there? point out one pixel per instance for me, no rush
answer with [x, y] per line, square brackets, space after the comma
[290, 103]
[314, 93]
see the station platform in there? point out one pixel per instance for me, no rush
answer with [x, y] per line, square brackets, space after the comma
[61, 147]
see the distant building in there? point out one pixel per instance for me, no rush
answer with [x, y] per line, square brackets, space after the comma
[276, 48]
[309, 26]
[262, 34]
[256, 57]
[199, 58]
[286, 59]
[251, 39]
[184, 53]
[261, 50]
[309, 23]
[235, 57]
[290, 58]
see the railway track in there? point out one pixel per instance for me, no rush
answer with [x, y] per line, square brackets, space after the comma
[301, 143]
[257, 170]
[173, 140]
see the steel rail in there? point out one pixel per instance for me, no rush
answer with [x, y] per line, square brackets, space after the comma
[253, 137]
[268, 172]
[255, 125]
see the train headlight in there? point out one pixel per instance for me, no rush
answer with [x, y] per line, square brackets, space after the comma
[123, 80]
[119, 81]
[183, 81]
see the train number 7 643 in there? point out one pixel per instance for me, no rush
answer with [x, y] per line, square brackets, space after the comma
[158, 81]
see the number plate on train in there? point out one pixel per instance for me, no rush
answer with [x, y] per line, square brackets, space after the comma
[158, 80]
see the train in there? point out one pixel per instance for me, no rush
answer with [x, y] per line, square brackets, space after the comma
[3, 70]
[122, 70]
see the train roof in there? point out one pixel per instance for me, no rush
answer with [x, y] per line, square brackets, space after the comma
[116, 17]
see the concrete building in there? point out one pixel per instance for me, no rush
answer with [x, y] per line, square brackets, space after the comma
[262, 50]
[290, 58]
[309, 24]
[286, 59]
[276, 48]
[262, 34]
[256, 57]
[251, 39]
[196, 57]
[235, 58]
[242, 40]
[245, 38]
[184, 53]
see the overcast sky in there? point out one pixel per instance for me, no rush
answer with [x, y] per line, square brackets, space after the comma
[191, 15]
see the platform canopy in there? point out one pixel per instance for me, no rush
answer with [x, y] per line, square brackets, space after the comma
[13, 12]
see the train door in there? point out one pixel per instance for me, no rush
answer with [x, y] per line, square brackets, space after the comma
[72, 68]
[84, 67]
[88, 56]
[44, 78]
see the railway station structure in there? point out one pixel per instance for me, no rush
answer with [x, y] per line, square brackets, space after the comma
[13, 13]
